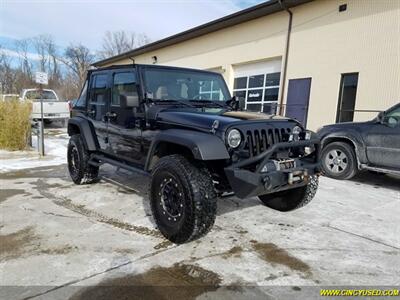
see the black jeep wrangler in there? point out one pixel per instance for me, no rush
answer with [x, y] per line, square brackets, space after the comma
[183, 128]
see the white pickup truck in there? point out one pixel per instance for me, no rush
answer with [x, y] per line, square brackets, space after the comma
[53, 108]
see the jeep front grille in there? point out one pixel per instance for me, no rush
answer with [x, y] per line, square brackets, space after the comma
[258, 141]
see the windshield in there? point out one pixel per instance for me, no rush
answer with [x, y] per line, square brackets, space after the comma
[175, 84]
[37, 95]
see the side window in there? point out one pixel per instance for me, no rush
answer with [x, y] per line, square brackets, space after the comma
[394, 113]
[393, 117]
[124, 84]
[81, 102]
[98, 89]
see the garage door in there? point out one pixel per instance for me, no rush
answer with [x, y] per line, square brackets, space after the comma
[258, 84]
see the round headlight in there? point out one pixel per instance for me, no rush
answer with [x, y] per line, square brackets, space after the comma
[296, 130]
[234, 138]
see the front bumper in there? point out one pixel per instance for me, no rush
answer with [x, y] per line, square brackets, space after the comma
[246, 183]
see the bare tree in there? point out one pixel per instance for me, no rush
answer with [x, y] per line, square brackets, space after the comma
[41, 46]
[7, 74]
[53, 64]
[70, 87]
[22, 48]
[78, 59]
[117, 42]
[66, 80]
[48, 56]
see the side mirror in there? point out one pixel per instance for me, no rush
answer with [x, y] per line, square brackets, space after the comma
[129, 101]
[236, 103]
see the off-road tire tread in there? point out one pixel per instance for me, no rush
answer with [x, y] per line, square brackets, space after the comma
[197, 179]
[292, 199]
[87, 173]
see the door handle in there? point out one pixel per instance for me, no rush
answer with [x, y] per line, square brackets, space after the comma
[91, 112]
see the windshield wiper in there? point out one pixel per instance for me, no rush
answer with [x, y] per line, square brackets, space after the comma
[172, 101]
[208, 102]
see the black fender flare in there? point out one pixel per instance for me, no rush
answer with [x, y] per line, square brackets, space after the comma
[353, 137]
[203, 146]
[86, 130]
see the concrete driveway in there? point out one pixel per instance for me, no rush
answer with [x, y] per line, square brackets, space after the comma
[59, 240]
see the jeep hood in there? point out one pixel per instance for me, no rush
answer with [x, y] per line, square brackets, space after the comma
[205, 120]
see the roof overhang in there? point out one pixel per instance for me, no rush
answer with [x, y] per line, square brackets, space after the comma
[242, 16]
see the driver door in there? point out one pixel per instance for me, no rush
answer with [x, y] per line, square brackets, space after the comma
[123, 131]
[383, 141]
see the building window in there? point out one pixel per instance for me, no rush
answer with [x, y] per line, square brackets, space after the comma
[240, 83]
[210, 90]
[260, 91]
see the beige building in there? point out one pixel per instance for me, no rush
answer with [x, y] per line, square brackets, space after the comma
[321, 61]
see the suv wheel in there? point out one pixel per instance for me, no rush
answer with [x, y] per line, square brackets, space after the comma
[291, 199]
[182, 198]
[339, 161]
[78, 162]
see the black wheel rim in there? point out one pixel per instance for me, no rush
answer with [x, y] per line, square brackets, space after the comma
[73, 161]
[171, 200]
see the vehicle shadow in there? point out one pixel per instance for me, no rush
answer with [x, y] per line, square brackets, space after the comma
[136, 183]
[378, 180]
[55, 125]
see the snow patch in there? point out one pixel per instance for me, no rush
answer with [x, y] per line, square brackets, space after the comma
[55, 154]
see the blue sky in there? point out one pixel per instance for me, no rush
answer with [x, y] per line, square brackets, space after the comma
[85, 21]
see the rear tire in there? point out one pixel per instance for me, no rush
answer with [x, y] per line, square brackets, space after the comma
[291, 199]
[182, 198]
[80, 170]
[339, 161]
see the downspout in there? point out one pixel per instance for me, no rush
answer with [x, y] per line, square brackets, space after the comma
[285, 60]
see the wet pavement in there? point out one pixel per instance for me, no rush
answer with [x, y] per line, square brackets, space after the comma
[62, 241]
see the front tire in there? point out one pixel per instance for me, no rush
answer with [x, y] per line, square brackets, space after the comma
[182, 198]
[291, 199]
[338, 161]
[80, 170]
